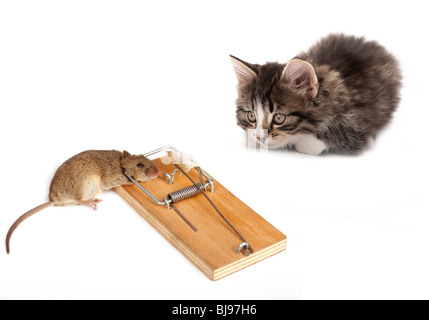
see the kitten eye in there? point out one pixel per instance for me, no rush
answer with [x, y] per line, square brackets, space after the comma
[140, 165]
[279, 118]
[251, 116]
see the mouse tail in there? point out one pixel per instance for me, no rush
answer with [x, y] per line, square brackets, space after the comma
[22, 218]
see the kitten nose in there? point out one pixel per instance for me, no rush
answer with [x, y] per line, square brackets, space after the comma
[262, 135]
[262, 139]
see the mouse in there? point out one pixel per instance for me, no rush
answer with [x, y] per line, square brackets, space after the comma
[79, 180]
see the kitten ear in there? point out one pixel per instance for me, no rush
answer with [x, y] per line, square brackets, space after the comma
[242, 71]
[301, 78]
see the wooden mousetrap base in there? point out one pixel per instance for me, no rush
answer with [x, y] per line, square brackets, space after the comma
[213, 247]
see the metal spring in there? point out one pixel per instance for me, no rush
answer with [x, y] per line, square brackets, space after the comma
[244, 247]
[186, 193]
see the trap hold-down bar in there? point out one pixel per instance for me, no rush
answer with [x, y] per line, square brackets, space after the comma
[189, 192]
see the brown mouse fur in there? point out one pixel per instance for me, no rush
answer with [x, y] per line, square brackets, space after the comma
[81, 178]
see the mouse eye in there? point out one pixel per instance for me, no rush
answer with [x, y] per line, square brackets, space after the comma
[140, 165]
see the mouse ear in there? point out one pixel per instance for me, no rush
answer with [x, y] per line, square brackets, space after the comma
[126, 154]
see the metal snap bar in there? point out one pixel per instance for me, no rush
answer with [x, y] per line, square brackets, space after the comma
[244, 247]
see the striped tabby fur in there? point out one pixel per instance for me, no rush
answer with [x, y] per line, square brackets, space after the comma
[333, 98]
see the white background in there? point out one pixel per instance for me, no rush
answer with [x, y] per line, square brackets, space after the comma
[135, 75]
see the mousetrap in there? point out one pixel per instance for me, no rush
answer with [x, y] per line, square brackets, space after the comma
[215, 230]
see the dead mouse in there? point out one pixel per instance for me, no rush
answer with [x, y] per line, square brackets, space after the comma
[81, 178]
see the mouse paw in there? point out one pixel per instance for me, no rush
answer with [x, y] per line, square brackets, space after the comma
[93, 203]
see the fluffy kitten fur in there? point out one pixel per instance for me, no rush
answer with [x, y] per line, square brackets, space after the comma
[333, 98]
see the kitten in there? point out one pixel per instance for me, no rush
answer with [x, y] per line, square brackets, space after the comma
[333, 98]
